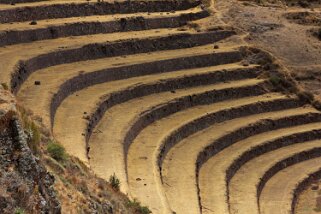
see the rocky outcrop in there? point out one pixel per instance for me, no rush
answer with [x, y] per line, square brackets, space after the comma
[25, 183]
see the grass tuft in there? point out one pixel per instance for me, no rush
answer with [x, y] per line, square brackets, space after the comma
[5, 86]
[19, 211]
[56, 151]
[137, 207]
[114, 182]
[275, 80]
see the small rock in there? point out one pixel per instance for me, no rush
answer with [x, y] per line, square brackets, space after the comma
[143, 158]
[315, 187]
[86, 117]
[33, 22]
[216, 47]
[245, 64]
[37, 82]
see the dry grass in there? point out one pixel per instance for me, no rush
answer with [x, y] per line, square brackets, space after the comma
[78, 189]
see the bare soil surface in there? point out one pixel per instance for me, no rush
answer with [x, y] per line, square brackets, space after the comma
[283, 30]
[310, 199]
[173, 98]
[292, 33]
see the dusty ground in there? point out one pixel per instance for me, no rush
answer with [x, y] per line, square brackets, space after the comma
[291, 33]
[291, 41]
[310, 200]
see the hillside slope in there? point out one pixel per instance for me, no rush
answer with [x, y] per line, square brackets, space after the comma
[162, 106]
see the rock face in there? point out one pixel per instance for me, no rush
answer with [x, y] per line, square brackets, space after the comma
[25, 183]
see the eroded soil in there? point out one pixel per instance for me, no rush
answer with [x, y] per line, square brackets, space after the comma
[289, 32]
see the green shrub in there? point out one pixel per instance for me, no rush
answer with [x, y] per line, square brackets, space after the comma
[137, 207]
[5, 86]
[19, 211]
[82, 187]
[275, 80]
[56, 151]
[144, 210]
[114, 182]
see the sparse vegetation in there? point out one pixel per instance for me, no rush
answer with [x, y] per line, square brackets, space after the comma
[19, 211]
[82, 187]
[33, 132]
[78, 189]
[5, 86]
[75, 177]
[114, 182]
[56, 151]
[34, 142]
[275, 80]
[137, 207]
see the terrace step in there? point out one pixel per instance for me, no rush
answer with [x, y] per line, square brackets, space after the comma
[13, 54]
[76, 8]
[91, 50]
[115, 130]
[258, 168]
[178, 168]
[18, 1]
[24, 32]
[277, 195]
[67, 116]
[215, 174]
[54, 79]
[142, 165]
[173, 117]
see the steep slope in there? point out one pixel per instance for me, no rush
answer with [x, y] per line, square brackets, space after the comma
[161, 98]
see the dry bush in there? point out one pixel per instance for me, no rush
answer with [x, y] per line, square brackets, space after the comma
[56, 151]
[137, 207]
[114, 182]
[5, 86]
